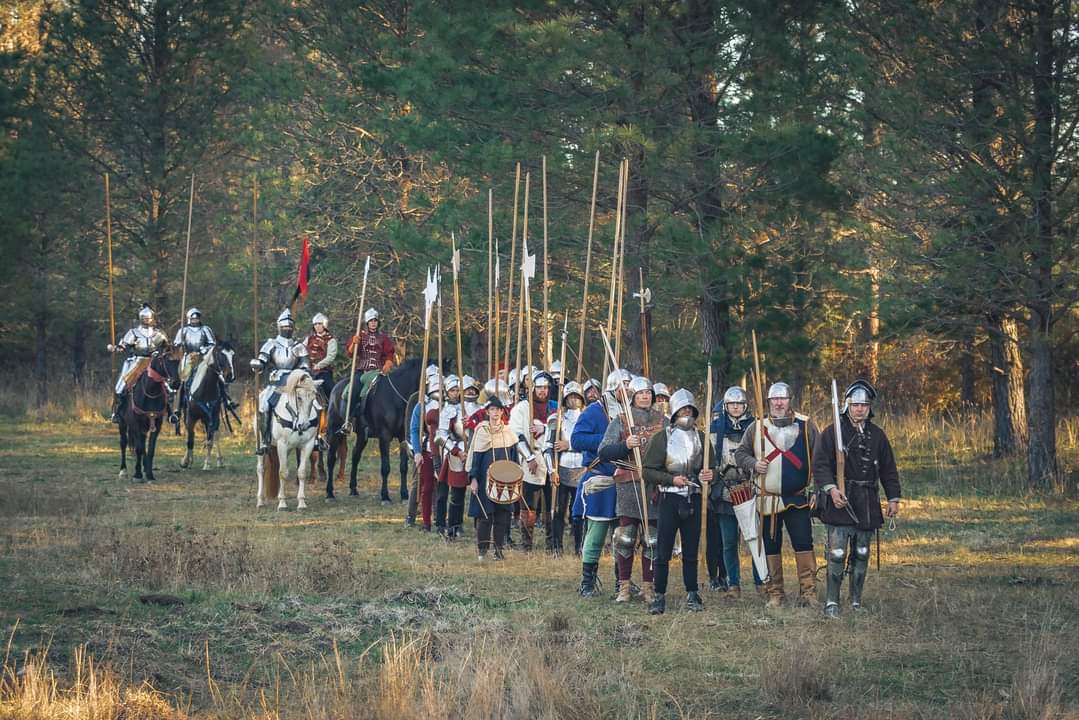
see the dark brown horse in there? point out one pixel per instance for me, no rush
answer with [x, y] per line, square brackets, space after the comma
[205, 400]
[145, 409]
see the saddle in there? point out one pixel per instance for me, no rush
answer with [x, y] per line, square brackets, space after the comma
[367, 381]
[136, 372]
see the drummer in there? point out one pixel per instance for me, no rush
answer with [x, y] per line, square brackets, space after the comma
[492, 443]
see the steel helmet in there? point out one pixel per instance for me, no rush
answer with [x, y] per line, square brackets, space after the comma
[146, 313]
[320, 318]
[193, 313]
[617, 377]
[285, 319]
[659, 389]
[370, 315]
[683, 398]
[735, 394]
[779, 390]
[572, 388]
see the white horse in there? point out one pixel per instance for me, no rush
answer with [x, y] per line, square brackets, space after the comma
[293, 428]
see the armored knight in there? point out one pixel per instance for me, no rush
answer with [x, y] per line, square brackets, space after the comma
[673, 461]
[729, 423]
[196, 339]
[776, 450]
[617, 447]
[528, 421]
[567, 470]
[596, 497]
[375, 349]
[852, 517]
[451, 439]
[280, 355]
[139, 342]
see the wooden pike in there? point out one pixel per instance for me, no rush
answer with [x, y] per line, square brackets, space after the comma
[546, 337]
[187, 250]
[707, 414]
[621, 266]
[255, 276]
[646, 359]
[587, 271]
[457, 306]
[356, 346]
[614, 270]
[561, 407]
[441, 380]
[490, 280]
[421, 394]
[513, 266]
[108, 245]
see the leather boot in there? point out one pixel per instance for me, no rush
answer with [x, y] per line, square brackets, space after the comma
[658, 605]
[117, 402]
[265, 433]
[774, 587]
[694, 602]
[625, 593]
[648, 592]
[807, 578]
[588, 579]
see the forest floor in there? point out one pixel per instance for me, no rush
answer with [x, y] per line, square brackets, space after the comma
[181, 599]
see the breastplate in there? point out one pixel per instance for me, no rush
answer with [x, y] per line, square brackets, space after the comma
[145, 341]
[283, 355]
[192, 338]
[683, 451]
[316, 346]
[783, 437]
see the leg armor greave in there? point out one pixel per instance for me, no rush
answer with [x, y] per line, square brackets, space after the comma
[836, 551]
[859, 566]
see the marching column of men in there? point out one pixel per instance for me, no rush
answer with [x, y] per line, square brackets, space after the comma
[509, 448]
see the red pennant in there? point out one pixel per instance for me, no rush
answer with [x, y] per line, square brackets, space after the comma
[305, 261]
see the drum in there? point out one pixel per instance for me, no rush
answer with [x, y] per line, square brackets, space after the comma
[504, 479]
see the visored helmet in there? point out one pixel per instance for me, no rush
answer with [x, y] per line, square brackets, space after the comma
[284, 320]
[193, 314]
[146, 314]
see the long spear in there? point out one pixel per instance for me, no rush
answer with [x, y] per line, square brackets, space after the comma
[614, 267]
[646, 359]
[187, 251]
[547, 349]
[707, 463]
[457, 305]
[255, 277]
[429, 293]
[356, 346]
[627, 413]
[441, 381]
[621, 266]
[490, 280]
[587, 270]
[561, 408]
[108, 243]
[513, 264]
[758, 440]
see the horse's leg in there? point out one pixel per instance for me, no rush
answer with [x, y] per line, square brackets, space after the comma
[283, 473]
[209, 443]
[148, 457]
[123, 450]
[260, 473]
[335, 442]
[384, 466]
[217, 451]
[138, 441]
[357, 453]
[402, 450]
[189, 426]
[304, 473]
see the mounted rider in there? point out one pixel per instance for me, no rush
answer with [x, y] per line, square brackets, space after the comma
[196, 340]
[281, 355]
[322, 351]
[140, 342]
[375, 349]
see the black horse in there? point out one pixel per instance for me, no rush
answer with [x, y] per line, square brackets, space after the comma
[382, 416]
[205, 400]
[144, 411]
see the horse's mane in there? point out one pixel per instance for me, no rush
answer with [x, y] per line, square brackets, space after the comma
[298, 383]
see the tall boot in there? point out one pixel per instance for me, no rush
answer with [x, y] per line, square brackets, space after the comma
[588, 579]
[265, 434]
[774, 587]
[807, 578]
[836, 570]
[117, 403]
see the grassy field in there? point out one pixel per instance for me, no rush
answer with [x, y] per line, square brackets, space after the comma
[180, 599]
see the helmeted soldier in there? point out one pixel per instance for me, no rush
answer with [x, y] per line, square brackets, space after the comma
[451, 442]
[375, 349]
[321, 351]
[280, 355]
[555, 372]
[196, 339]
[528, 421]
[782, 475]
[853, 517]
[570, 465]
[663, 398]
[674, 461]
[617, 447]
[730, 419]
[139, 342]
[592, 391]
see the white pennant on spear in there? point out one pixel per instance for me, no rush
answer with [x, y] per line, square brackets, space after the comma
[347, 427]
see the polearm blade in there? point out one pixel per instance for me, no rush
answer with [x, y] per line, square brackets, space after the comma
[356, 345]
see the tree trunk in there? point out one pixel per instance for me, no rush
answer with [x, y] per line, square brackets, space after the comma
[1042, 449]
[1009, 411]
[967, 374]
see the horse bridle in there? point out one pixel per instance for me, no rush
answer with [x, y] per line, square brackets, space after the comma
[293, 423]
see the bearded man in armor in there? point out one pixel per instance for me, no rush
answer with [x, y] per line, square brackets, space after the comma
[596, 499]
[782, 477]
[374, 348]
[852, 518]
[280, 355]
[569, 468]
[673, 460]
[140, 342]
[528, 421]
[617, 448]
[729, 423]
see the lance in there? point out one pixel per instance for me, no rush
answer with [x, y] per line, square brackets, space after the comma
[497, 305]
[627, 413]
[429, 293]
[646, 296]
[528, 271]
[490, 280]
[108, 245]
[546, 340]
[187, 251]
[521, 300]
[513, 264]
[587, 270]
[255, 278]
[457, 306]
[438, 311]
[707, 463]
[347, 427]
[614, 266]
[561, 408]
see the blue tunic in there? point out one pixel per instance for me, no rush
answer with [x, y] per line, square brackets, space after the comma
[587, 435]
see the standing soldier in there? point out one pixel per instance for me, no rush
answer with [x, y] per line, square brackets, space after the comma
[728, 426]
[853, 517]
[569, 467]
[782, 478]
[617, 447]
[591, 390]
[530, 426]
[139, 342]
[281, 355]
[375, 351]
[450, 441]
[674, 461]
[663, 398]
